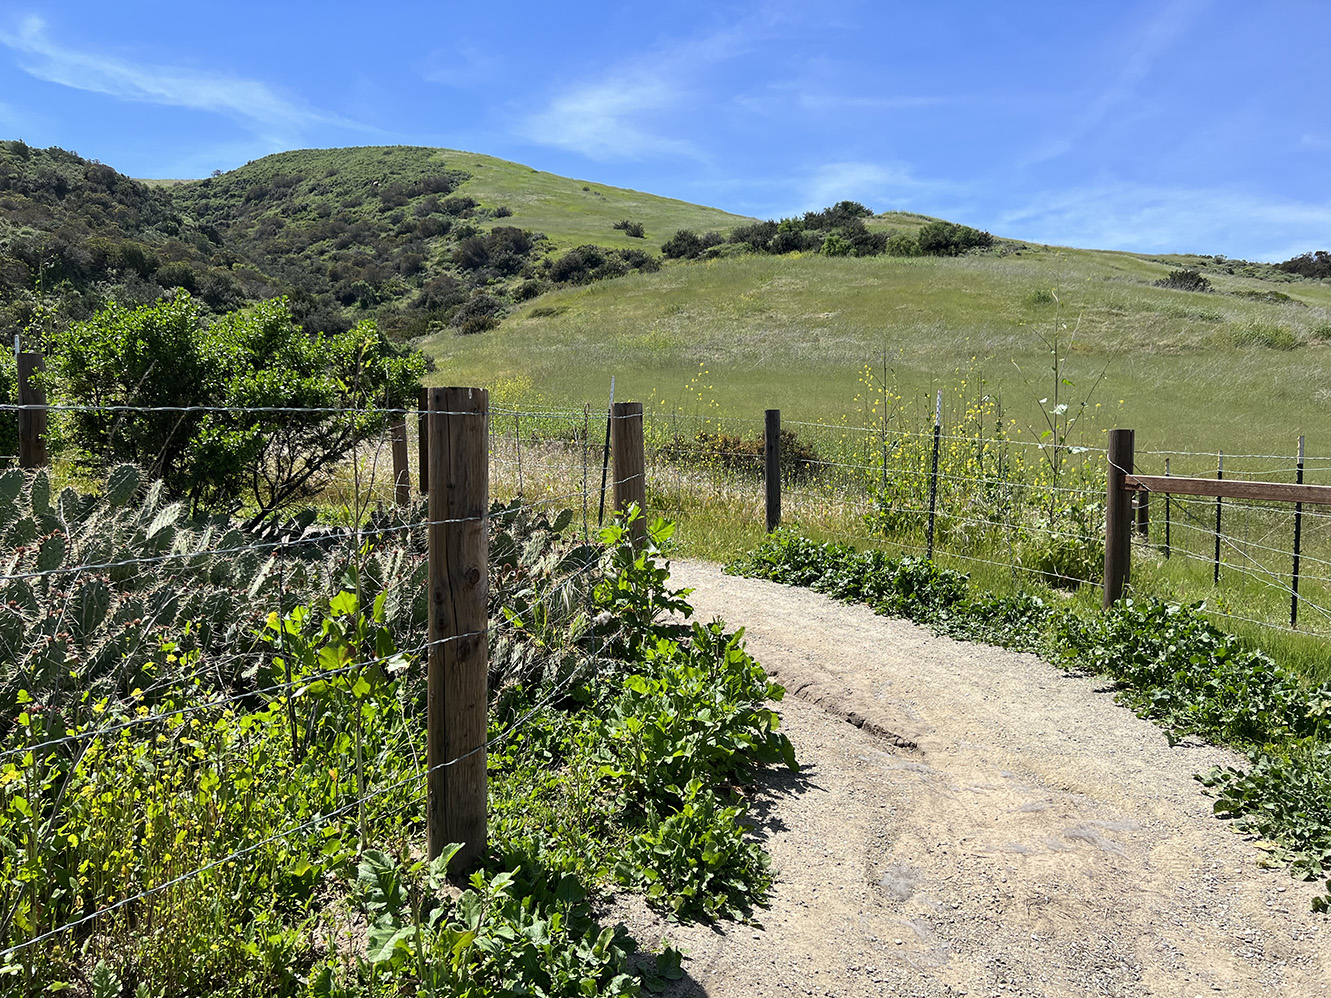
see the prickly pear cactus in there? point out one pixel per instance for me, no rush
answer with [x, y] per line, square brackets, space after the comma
[93, 584]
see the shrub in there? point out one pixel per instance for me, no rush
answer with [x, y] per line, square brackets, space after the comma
[633, 229]
[756, 235]
[584, 264]
[459, 206]
[1184, 280]
[836, 245]
[902, 244]
[163, 355]
[481, 312]
[530, 289]
[683, 245]
[1316, 265]
[951, 239]
[799, 459]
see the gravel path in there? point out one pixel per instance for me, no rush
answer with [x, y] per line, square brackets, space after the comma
[971, 821]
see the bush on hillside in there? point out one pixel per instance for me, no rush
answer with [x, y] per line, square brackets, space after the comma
[902, 244]
[1184, 280]
[481, 312]
[584, 264]
[688, 245]
[951, 239]
[1316, 265]
[629, 228]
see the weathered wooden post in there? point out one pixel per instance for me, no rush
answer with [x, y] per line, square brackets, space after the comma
[459, 473]
[32, 412]
[933, 474]
[423, 441]
[1118, 516]
[1219, 505]
[772, 467]
[1298, 538]
[397, 432]
[627, 450]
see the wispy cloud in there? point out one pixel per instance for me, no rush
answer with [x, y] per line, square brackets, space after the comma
[251, 101]
[1158, 35]
[880, 186]
[464, 67]
[608, 120]
[1153, 219]
[626, 112]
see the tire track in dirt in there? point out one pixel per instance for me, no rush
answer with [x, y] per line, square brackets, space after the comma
[985, 824]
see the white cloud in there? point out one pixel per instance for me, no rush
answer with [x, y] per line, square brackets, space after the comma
[608, 120]
[880, 186]
[623, 114]
[1159, 34]
[1172, 220]
[248, 100]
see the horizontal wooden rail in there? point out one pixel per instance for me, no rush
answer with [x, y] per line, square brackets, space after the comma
[1228, 488]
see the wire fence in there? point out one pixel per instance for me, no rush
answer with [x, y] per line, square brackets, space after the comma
[173, 655]
[157, 644]
[1014, 512]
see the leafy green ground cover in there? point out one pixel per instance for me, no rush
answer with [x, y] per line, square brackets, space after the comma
[1168, 663]
[211, 776]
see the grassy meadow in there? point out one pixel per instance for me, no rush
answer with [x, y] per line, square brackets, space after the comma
[712, 344]
[732, 337]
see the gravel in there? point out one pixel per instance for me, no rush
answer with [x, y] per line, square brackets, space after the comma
[973, 821]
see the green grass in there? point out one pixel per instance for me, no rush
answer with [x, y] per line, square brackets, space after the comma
[574, 212]
[735, 336]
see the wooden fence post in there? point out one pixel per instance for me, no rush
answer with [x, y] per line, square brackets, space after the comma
[31, 421]
[1144, 515]
[1219, 505]
[423, 441]
[627, 450]
[933, 474]
[772, 467]
[1118, 516]
[1298, 538]
[459, 472]
[397, 432]
[1166, 511]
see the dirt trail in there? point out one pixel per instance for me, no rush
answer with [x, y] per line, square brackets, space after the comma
[1038, 840]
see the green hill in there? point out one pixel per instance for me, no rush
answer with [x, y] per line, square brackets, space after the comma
[424, 238]
[419, 239]
[433, 243]
[1242, 367]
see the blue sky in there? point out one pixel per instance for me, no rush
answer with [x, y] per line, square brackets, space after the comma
[1189, 126]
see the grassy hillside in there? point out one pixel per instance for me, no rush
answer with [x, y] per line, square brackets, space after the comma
[1241, 368]
[572, 212]
[423, 239]
[420, 239]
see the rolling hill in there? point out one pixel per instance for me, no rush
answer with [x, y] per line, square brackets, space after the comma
[433, 243]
